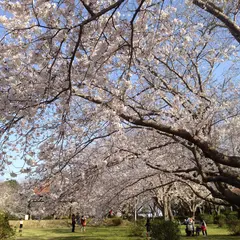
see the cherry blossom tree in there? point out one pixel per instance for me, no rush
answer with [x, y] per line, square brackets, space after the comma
[75, 72]
[115, 176]
[11, 198]
[190, 200]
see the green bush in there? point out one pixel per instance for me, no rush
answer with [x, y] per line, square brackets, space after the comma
[137, 229]
[117, 221]
[13, 217]
[6, 232]
[233, 215]
[46, 218]
[113, 221]
[220, 220]
[208, 218]
[179, 219]
[165, 230]
[234, 226]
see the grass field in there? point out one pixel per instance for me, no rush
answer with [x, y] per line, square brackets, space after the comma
[214, 233]
[92, 233]
[108, 233]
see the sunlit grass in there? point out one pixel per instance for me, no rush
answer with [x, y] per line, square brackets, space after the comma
[93, 233]
[109, 233]
[214, 233]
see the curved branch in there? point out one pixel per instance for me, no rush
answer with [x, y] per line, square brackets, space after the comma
[211, 8]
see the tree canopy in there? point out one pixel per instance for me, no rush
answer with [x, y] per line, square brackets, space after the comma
[89, 84]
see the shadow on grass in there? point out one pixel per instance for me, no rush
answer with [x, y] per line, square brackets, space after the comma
[212, 237]
[102, 231]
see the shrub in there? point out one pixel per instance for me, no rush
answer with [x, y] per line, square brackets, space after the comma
[208, 218]
[117, 221]
[179, 219]
[232, 216]
[165, 230]
[46, 218]
[13, 217]
[138, 229]
[234, 226]
[6, 232]
[220, 220]
[113, 221]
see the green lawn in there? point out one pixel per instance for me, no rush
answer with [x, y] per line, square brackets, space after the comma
[92, 233]
[214, 233]
[108, 233]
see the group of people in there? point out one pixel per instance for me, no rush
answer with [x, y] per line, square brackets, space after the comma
[190, 229]
[82, 222]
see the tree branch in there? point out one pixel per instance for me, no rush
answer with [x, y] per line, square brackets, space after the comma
[215, 11]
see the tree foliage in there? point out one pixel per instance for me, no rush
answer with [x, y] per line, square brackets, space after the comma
[6, 232]
[145, 80]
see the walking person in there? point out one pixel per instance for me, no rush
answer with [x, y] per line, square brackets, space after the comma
[83, 223]
[110, 214]
[73, 223]
[148, 228]
[204, 227]
[21, 226]
[198, 230]
[190, 227]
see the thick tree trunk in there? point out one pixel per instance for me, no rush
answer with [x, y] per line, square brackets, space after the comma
[29, 211]
[70, 212]
[135, 214]
[170, 213]
[165, 209]
[193, 213]
[135, 209]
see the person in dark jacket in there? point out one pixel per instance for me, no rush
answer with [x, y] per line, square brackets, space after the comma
[148, 227]
[73, 222]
